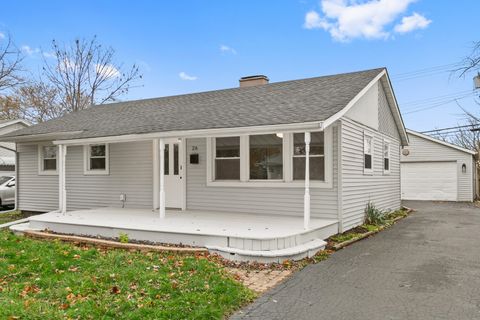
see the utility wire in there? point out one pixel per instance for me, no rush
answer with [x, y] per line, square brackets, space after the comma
[436, 98]
[434, 105]
[426, 72]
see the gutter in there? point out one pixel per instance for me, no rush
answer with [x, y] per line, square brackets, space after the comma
[199, 133]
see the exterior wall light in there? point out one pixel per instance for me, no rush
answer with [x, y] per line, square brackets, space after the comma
[464, 168]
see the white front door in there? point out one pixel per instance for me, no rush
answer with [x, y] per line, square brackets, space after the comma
[173, 171]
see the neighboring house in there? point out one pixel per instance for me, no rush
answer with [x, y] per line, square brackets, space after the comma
[436, 170]
[235, 162]
[7, 149]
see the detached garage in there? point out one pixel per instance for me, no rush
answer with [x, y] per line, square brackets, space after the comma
[432, 169]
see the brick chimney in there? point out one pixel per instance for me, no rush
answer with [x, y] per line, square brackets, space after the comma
[251, 81]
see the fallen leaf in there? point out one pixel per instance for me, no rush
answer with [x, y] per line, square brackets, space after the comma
[115, 290]
[73, 269]
[64, 306]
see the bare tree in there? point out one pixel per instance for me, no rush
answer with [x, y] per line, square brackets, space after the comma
[84, 73]
[470, 63]
[10, 64]
[468, 137]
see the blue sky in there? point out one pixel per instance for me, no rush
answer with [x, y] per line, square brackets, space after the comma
[191, 46]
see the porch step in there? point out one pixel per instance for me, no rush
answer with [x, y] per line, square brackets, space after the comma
[307, 249]
[20, 228]
[278, 243]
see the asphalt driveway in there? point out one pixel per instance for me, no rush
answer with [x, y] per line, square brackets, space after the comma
[425, 267]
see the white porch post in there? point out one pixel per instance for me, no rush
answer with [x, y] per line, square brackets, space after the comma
[62, 191]
[156, 174]
[306, 198]
[162, 179]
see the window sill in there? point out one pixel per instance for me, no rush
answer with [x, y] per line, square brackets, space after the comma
[270, 184]
[48, 173]
[96, 173]
[368, 172]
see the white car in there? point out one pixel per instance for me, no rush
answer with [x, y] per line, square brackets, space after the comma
[7, 190]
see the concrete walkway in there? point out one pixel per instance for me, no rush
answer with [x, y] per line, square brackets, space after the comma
[425, 267]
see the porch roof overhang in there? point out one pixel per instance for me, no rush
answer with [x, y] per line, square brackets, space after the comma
[290, 127]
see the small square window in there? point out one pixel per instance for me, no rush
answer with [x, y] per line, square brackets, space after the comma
[96, 159]
[47, 159]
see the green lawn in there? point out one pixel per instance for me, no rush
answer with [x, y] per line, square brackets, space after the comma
[53, 280]
[11, 216]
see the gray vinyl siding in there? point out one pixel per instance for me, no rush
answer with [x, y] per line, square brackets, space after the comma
[130, 173]
[359, 188]
[256, 200]
[423, 150]
[386, 121]
[35, 192]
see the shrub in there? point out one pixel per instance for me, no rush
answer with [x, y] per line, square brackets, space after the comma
[123, 237]
[373, 215]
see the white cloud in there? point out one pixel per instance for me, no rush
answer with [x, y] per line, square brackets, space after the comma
[227, 49]
[108, 70]
[49, 55]
[2, 35]
[413, 22]
[185, 76]
[30, 51]
[349, 19]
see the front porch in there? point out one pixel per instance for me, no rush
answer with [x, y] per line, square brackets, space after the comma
[235, 236]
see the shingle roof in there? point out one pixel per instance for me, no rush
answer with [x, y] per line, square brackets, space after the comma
[296, 101]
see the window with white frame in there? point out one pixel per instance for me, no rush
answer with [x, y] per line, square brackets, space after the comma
[96, 159]
[47, 159]
[266, 157]
[227, 158]
[317, 156]
[386, 157]
[367, 153]
[276, 160]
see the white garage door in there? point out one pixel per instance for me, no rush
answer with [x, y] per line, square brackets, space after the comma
[429, 181]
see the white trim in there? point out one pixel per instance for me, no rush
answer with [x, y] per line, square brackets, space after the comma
[41, 171]
[287, 157]
[387, 143]
[306, 197]
[201, 133]
[162, 178]
[368, 171]
[352, 102]
[156, 173]
[6, 124]
[339, 177]
[283, 183]
[424, 136]
[62, 190]
[390, 96]
[183, 172]
[86, 160]
[397, 112]
[38, 137]
[215, 158]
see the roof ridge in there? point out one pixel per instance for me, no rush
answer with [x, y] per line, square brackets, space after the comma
[234, 88]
